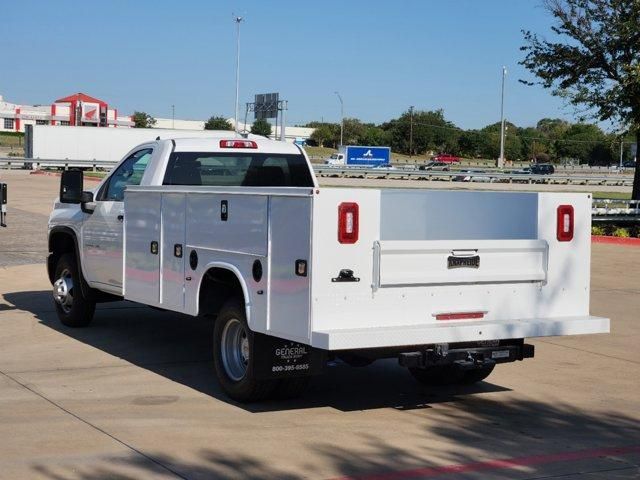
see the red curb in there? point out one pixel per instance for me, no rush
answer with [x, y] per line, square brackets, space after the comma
[54, 174]
[626, 241]
[500, 464]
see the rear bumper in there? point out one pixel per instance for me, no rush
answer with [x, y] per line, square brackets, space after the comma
[456, 331]
[466, 358]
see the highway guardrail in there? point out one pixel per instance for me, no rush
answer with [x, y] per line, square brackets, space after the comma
[487, 176]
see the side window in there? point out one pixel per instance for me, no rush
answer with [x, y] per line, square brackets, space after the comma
[128, 173]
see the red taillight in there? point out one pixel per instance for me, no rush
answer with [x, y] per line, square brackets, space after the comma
[565, 223]
[459, 315]
[348, 223]
[238, 144]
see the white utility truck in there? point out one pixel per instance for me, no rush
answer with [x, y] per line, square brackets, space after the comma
[295, 276]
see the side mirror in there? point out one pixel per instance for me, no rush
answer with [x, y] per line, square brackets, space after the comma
[86, 202]
[71, 185]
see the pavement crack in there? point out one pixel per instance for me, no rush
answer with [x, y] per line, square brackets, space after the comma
[95, 427]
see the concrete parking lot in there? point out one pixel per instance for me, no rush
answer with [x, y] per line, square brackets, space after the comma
[133, 395]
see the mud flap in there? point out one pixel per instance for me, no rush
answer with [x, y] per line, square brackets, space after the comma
[275, 357]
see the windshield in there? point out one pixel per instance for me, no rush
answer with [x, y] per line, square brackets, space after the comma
[235, 170]
[334, 156]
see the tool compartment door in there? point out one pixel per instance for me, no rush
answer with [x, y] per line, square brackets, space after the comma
[173, 250]
[441, 262]
[142, 247]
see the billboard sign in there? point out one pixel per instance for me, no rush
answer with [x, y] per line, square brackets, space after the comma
[266, 106]
[367, 156]
[90, 112]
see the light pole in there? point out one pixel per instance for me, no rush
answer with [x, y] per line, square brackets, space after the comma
[341, 116]
[173, 116]
[238, 20]
[411, 131]
[501, 159]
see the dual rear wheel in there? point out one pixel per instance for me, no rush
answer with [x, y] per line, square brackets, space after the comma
[232, 360]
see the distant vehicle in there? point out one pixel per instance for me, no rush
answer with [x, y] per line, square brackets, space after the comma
[361, 156]
[521, 171]
[446, 158]
[542, 169]
[629, 164]
[472, 175]
[436, 166]
[385, 167]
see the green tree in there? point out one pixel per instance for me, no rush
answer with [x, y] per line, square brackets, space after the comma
[375, 136]
[593, 60]
[490, 141]
[353, 132]
[261, 127]
[470, 144]
[431, 131]
[143, 120]
[552, 128]
[534, 144]
[218, 123]
[324, 134]
[585, 142]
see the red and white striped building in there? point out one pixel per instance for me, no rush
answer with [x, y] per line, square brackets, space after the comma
[78, 109]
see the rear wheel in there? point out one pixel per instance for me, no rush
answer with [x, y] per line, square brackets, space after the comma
[450, 375]
[232, 356]
[72, 307]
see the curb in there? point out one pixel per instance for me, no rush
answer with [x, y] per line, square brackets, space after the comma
[55, 174]
[629, 242]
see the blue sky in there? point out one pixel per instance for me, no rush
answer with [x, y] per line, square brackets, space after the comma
[381, 56]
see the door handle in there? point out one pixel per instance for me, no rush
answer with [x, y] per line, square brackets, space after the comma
[121, 217]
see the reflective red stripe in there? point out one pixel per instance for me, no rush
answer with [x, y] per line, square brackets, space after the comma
[459, 315]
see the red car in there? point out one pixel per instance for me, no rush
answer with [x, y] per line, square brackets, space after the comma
[445, 157]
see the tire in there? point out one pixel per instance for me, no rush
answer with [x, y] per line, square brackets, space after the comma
[73, 308]
[232, 356]
[449, 375]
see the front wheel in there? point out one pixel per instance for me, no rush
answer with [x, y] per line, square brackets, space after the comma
[72, 307]
[233, 356]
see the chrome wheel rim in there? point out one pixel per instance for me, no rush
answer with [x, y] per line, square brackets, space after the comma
[63, 291]
[235, 350]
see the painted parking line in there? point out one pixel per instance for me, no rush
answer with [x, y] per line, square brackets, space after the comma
[501, 464]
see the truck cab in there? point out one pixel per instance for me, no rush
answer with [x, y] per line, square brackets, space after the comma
[335, 159]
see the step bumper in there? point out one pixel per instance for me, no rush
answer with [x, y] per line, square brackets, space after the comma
[456, 331]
